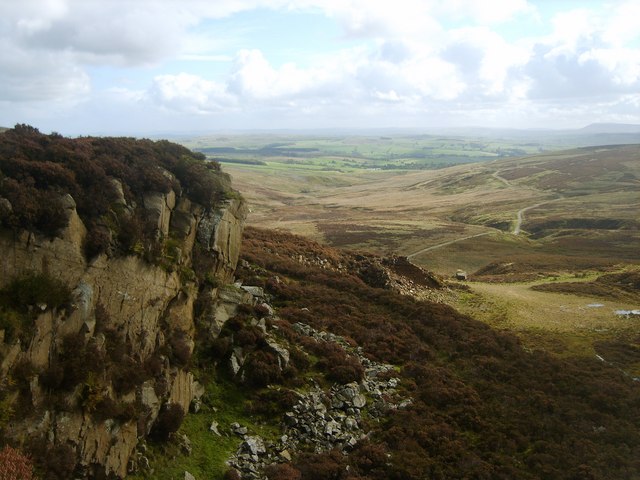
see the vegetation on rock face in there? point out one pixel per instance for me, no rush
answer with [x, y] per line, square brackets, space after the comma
[25, 295]
[483, 406]
[14, 465]
[128, 193]
[37, 170]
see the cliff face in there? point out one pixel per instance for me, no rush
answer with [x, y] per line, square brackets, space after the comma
[118, 301]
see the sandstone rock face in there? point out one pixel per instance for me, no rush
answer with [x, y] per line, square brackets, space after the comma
[221, 231]
[145, 304]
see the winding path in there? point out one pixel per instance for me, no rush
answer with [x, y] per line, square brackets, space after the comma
[520, 218]
[497, 176]
[446, 243]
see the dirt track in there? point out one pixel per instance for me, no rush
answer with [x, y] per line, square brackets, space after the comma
[446, 243]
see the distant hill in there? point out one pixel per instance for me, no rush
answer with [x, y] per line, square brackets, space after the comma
[3, 129]
[610, 128]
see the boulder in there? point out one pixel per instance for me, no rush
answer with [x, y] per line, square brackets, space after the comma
[254, 445]
[257, 292]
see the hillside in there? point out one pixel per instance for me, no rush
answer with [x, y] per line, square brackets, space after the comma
[144, 335]
[573, 202]
[482, 406]
[621, 128]
[107, 244]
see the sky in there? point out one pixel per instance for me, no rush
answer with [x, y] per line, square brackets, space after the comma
[142, 67]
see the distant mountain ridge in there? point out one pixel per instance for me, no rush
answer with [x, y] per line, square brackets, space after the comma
[611, 128]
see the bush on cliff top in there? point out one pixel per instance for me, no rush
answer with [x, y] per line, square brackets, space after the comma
[36, 170]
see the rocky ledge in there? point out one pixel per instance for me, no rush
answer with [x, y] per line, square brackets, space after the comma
[323, 419]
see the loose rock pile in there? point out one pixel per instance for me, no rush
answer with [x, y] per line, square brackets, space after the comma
[322, 420]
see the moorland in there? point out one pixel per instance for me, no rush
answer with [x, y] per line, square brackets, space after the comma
[518, 212]
[118, 315]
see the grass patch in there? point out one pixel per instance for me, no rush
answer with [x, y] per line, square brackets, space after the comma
[225, 403]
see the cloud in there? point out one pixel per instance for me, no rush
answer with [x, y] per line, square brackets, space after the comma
[189, 93]
[38, 76]
[389, 62]
[487, 63]
[486, 12]
[578, 60]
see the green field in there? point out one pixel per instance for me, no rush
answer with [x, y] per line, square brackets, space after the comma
[349, 153]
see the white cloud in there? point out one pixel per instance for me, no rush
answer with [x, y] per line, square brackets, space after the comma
[624, 24]
[37, 76]
[389, 59]
[578, 61]
[623, 64]
[189, 93]
[486, 12]
[379, 18]
[486, 60]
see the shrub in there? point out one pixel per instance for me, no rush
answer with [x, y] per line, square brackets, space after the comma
[282, 471]
[338, 366]
[73, 360]
[34, 288]
[262, 369]
[272, 403]
[39, 169]
[168, 421]
[22, 373]
[60, 462]
[232, 474]
[180, 347]
[14, 324]
[97, 241]
[153, 366]
[126, 375]
[51, 378]
[14, 465]
[220, 348]
[324, 466]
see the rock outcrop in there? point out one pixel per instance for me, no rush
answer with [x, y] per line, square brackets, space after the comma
[323, 419]
[148, 307]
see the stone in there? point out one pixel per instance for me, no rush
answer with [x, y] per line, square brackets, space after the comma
[285, 455]
[262, 325]
[266, 309]
[157, 210]
[359, 401]
[257, 292]
[279, 350]
[254, 445]
[117, 186]
[220, 231]
[188, 476]
[185, 444]
[182, 224]
[234, 365]
[238, 429]
[214, 428]
[5, 206]
[350, 423]
[331, 428]
[136, 296]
